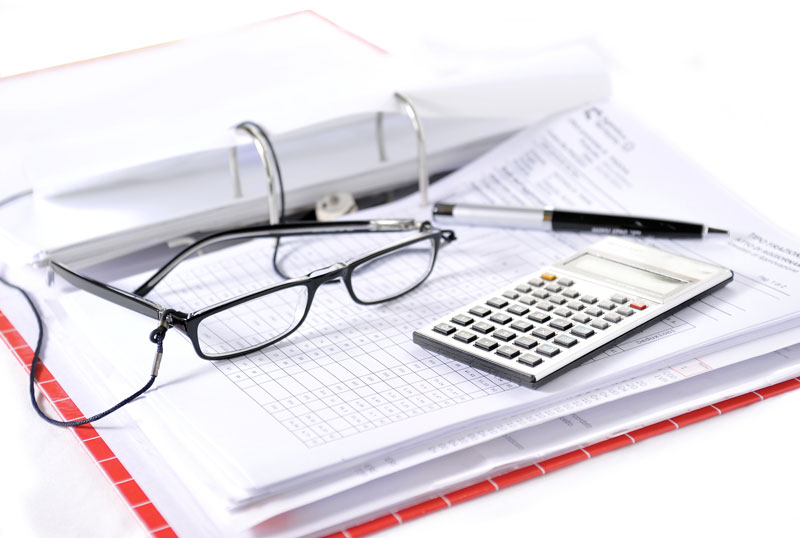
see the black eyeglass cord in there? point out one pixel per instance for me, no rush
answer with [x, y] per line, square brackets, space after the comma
[157, 337]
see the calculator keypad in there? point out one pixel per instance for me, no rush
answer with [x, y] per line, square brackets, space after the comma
[537, 320]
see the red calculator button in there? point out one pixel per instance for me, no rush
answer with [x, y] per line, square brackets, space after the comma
[638, 306]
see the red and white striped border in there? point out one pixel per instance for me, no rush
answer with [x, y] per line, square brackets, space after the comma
[91, 440]
[547, 466]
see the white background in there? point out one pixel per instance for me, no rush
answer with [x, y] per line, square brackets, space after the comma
[719, 80]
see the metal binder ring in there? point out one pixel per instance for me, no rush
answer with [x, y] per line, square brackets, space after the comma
[269, 160]
[416, 122]
[422, 163]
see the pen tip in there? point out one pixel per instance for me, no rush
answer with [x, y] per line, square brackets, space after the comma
[717, 231]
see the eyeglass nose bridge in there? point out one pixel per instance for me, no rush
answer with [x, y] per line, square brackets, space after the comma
[332, 271]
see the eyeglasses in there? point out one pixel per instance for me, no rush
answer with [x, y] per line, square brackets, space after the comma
[260, 318]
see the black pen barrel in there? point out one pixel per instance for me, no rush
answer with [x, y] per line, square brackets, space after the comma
[624, 225]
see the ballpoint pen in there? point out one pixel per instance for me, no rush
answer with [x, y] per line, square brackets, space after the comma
[573, 221]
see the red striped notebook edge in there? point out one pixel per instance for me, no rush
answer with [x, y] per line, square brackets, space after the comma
[539, 469]
[91, 440]
[155, 523]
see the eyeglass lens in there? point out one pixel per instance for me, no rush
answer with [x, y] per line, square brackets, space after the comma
[393, 273]
[253, 323]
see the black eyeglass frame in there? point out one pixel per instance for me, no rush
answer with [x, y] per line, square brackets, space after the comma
[188, 323]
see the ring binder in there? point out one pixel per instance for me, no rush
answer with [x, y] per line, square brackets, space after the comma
[269, 160]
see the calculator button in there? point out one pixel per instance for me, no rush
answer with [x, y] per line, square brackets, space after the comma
[547, 307]
[544, 333]
[525, 342]
[462, 320]
[464, 336]
[511, 294]
[565, 282]
[547, 276]
[504, 335]
[574, 305]
[548, 350]
[523, 288]
[445, 329]
[530, 360]
[612, 317]
[527, 299]
[581, 318]
[564, 340]
[499, 317]
[557, 299]
[555, 288]
[593, 311]
[497, 302]
[536, 282]
[480, 311]
[606, 305]
[483, 327]
[589, 299]
[561, 324]
[598, 324]
[619, 298]
[486, 344]
[522, 326]
[541, 294]
[583, 332]
[538, 317]
[518, 309]
[507, 352]
[624, 311]
[563, 312]
[638, 305]
[570, 293]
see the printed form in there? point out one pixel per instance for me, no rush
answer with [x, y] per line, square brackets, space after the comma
[450, 450]
[350, 385]
[523, 447]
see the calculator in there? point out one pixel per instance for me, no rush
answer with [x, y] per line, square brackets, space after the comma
[544, 324]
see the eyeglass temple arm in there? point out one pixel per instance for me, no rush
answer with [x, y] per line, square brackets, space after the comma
[107, 292]
[282, 230]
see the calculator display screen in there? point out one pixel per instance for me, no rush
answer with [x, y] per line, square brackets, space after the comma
[627, 274]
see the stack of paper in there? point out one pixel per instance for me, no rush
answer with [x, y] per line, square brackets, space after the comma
[347, 418]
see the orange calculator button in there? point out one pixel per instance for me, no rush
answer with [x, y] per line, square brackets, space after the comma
[548, 276]
[638, 306]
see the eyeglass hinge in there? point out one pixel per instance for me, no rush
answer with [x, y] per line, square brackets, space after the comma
[165, 323]
[394, 224]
